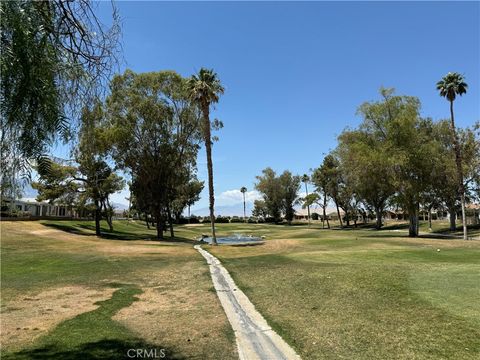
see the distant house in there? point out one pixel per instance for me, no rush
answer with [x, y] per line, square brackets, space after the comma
[31, 207]
[302, 214]
[473, 214]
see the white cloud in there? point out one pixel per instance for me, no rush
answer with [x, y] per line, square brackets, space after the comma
[231, 197]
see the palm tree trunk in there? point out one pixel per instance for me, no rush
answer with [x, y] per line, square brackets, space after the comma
[208, 147]
[244, 210]
[458, 161]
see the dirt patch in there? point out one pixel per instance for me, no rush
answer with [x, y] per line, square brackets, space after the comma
[30, 316]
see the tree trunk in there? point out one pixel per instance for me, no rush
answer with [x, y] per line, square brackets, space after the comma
[108, 215]
[146, 221]
[458, 161]
[413, 222]
[324, 211]
[208, 147]
[430, 218]
[464, 216]
[98, 216]
[453, 219]
[244, 210]
[189, 214]
[308, 206]
[159, 221]
[378, 223]
[170, 222]
[339, 217]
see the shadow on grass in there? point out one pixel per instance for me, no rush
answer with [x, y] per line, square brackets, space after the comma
[94, 335]
[103, 349]
[458, 230]
[89, 230]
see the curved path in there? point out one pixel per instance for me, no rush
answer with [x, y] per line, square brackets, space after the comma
[255, 339]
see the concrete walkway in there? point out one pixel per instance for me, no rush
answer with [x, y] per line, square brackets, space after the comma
[255, 339]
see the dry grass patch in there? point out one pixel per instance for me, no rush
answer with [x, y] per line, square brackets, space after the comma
[26, 318]
[183, 313]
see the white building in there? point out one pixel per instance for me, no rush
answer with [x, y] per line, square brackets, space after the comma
[37, 208]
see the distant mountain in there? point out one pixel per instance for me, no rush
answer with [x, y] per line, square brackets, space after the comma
[225, 210]
[119, 206]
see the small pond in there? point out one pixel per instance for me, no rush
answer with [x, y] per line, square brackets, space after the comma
[236, 239]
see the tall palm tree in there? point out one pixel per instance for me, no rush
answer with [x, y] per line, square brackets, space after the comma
[243, 190]
[205, 89]
[449, 87]
[306, 179]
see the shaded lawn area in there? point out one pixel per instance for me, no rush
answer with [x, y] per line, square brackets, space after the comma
[128, 294]
[362, 294]
[122, 230]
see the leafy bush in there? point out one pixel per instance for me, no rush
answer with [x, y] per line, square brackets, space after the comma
[261, 220]
[236, 219]
[221, 220]
[194, 220]
[206, 220]
[252, 220]
[315, 216]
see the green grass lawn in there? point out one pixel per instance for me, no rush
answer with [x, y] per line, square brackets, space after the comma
[362, 294]
[332, 294]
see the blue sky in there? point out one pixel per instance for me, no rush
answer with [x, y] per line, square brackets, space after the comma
[294, 73]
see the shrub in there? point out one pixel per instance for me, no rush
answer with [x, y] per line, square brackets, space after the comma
[221, 220]
[315, 216]
[252, 220]
[206, 220]
[194, 219]
[261, 220]
[236, 219]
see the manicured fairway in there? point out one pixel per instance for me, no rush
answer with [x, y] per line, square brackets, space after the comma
[363, 294]
[331, 294]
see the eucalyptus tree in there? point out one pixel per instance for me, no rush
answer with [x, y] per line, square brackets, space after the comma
[154, 133]
[280, 193]
[88, 174]
[56, 56]
[187, 194]
[243, 190]
[290, 186]
[329, 179]
[366, 158]
[449, 87]
[320, 179]
[305, 180]
[205, 89]
[409, 140]
[269, 186]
